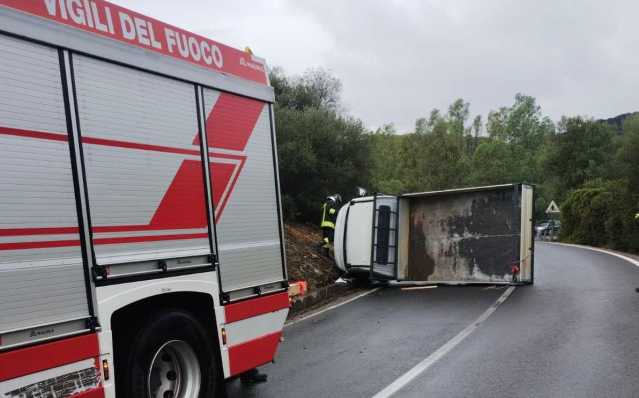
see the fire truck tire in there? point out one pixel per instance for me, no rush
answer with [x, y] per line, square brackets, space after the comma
[170, 356]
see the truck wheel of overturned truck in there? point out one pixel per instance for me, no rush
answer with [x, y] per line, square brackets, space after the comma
[171, 356]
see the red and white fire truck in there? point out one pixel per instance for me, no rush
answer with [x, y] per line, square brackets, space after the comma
[141, 249]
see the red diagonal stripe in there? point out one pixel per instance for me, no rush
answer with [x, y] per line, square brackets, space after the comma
[221, 174]
[139, 146]
[231, 122]
[41, 135]
[183, 205]
[99, 241]
[39, 245]
[39, 231]
[224, 199]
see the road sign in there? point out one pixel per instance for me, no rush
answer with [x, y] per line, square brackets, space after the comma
[553, 208]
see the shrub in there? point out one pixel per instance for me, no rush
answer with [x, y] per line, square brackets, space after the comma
[601, 214]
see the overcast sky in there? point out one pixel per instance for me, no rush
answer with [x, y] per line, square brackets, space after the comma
[399, 59]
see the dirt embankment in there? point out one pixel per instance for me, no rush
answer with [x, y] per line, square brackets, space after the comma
[305, 259]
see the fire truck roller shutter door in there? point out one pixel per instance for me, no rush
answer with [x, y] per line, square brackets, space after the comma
[144, 170]
[41, 266]
[243, 180]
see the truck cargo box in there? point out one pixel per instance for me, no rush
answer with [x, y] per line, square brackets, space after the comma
[471, 235]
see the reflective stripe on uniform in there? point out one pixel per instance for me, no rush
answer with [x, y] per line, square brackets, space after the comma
[327, 224]
[326, 244]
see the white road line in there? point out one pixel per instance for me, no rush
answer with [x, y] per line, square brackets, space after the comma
[332, 307]
[421, 367]
[418, 288]
[596, 249]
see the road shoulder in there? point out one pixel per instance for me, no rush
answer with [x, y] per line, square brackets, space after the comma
[631, 258]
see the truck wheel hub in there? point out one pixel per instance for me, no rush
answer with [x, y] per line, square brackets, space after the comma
[174, 372]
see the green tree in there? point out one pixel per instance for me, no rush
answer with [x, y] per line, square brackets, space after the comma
[491, 164]
[320, 150]
[477, 126]
[421, 126]
[627, 157]
[458, 114]
[520, 124]
[579, 152]
[440, 159]
[320, 153]
[316, 88]
[387, 167]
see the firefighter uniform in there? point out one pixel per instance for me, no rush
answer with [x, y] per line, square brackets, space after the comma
[329, 216]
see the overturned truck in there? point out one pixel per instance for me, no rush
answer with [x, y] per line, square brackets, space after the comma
[459, 236]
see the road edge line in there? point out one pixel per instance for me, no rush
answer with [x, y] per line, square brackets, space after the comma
[332, 307]
[430, 360]
[600, 250]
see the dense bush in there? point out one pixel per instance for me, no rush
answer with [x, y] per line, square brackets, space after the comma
[601, 214]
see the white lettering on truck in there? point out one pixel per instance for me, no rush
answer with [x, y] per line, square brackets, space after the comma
[206, 53]
[76, 12]
[142, 31]
[192, 48]
[82, 12]
[96, 16]
[128, 28]
[139, 29]
[51, 7]
[87, 10]
[136, 29]
[107, 11]
[146, 33]
[154, 42]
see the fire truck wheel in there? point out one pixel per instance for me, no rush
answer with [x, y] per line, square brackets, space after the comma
[171, 356]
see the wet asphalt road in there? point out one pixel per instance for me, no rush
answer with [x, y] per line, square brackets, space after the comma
[575, 333]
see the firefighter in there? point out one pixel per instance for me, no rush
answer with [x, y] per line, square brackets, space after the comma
[329, 216]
